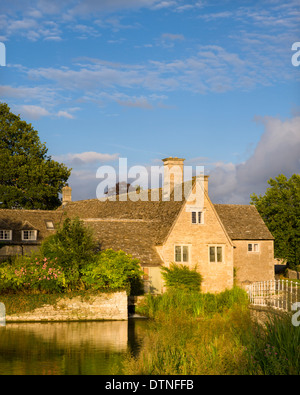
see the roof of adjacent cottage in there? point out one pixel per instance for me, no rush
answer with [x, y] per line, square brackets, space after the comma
[243, 222]
[135, 227]
[18, 220]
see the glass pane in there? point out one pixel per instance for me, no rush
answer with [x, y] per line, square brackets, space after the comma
[219, 254]
[249, 247]
[185, 253]
[199, 217]
[256, 247]
[194, 220]
[212, 255]
[177, 254]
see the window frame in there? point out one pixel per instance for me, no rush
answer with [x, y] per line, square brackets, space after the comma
[253, 248]
[4, 231]
[216, 246]
[197, 212]
[29, 239]
[182, 253]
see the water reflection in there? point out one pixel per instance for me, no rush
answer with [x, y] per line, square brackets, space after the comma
[68, 347]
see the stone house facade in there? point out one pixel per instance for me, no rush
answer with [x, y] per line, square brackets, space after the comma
[226, 243]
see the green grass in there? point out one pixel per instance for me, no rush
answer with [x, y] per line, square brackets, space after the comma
[193, 333]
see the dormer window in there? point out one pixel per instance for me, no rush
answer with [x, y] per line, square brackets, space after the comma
[197, 217]
[5, 235]
[29, 235]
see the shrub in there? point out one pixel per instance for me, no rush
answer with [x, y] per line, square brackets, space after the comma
[32, 273]
[113, 270]
[73, 245]
[181, 277]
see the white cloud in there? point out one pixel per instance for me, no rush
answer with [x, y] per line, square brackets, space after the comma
[64, 114]
[33, 112]
[89, 157]
[276, 153]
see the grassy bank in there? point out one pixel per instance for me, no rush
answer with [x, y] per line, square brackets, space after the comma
[192, 333]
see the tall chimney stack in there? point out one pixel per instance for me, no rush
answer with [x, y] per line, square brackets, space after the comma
[66, 195]
[173, 173]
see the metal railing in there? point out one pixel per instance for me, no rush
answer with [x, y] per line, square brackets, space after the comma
[278, 294]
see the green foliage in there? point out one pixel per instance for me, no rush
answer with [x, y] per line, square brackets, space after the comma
[181, 277]
[68, 261]
[28, 177]
[73, 246]
[275, 348]
[32, 274]
[194, 333]
[194, 304]
[113, 270]
[280, 209]
[183, 341]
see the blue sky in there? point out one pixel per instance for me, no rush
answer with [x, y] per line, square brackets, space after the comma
[209, 81]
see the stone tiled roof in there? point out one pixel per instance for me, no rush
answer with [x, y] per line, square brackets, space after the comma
[18, 220]
[243, 222]
[135, 227]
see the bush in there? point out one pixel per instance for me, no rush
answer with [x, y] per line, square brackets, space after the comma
[113, 270]
[30, 274]
[73, 246]
[181, 277]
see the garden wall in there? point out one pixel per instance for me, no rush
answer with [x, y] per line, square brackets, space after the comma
[110, 306]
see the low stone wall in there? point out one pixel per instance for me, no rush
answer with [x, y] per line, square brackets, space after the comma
[292, 274]
[111, 306]
[262, 314]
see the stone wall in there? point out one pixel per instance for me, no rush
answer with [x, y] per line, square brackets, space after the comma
[292, 274]
[111, 306]
[253, 266]
[217, 276]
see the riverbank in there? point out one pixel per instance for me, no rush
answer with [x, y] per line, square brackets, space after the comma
[66, 307]
[196, 334]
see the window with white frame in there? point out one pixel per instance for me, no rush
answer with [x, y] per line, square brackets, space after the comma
[197, 217]
[29, 235]
[182, 253]
[5, 234]
[253, 247]
[215, 254]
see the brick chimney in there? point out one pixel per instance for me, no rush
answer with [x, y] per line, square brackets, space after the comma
[66, 195]
[173, 173]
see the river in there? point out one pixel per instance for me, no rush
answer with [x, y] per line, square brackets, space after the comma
[68, 348]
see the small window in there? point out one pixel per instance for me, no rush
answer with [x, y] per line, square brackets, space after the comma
[49, 225]
[181, 253]
[215, 254]
[5, 234]
[197, 217]
[253, 247]
[29, 235]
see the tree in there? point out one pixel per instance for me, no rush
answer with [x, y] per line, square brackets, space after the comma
[29, 178]
[280, 209]
[73, 246]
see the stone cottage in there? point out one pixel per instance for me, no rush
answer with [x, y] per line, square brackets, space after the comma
[226, 243]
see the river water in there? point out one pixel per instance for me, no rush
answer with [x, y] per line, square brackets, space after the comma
[68, 348]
